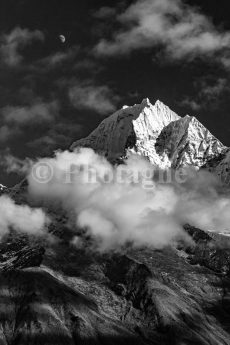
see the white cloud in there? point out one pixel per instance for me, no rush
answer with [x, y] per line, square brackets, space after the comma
[98, 98]
[21, 218]
[12, 43]
[182, 30]
[115, 212]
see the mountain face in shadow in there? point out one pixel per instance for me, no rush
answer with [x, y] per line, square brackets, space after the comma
[57, 294]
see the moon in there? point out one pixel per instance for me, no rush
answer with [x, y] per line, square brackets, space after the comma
[62, 38]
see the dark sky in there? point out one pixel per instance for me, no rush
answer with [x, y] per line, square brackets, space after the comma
[115, 53]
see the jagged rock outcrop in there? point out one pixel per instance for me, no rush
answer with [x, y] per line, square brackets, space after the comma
[187, 142]
[220, 165]
[210, 250]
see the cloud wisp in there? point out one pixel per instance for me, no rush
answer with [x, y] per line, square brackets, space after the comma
[35, 113]
[14, 118]
[180, 29]
[114, 209]
[13, 164]
[210, 92]
[12, 43]
[99, 98]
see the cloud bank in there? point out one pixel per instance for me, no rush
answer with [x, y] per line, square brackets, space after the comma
[122, 204]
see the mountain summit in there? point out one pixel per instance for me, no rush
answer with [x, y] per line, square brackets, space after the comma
[156, 132]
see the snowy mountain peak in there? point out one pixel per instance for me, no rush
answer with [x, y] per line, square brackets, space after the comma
[146, 102]
[132, 128]
[160, 105]
[156, 132]
[2, 188]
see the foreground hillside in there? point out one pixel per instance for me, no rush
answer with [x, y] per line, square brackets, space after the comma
[54, 293]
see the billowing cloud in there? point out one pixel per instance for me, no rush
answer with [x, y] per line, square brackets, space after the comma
[122, 204]
[88, 96]
[21, 218]
[180, 29]
[12, 43]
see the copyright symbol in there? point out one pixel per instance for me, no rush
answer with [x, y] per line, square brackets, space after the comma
[42, 172]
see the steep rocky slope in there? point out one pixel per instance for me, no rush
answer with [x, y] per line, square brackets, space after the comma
[58, 294]
[220, 165]
[187, 142]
